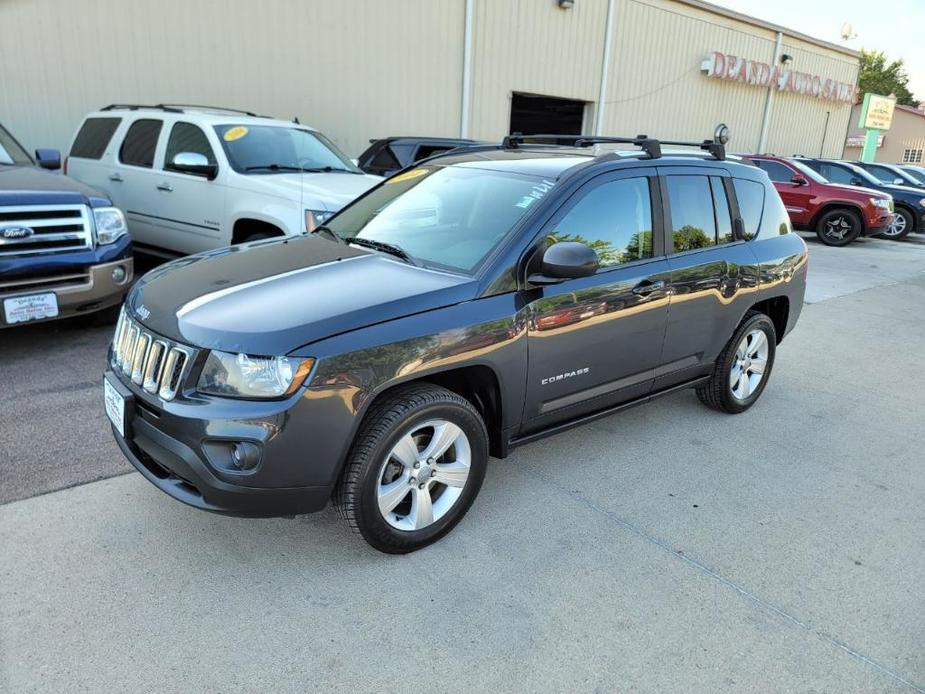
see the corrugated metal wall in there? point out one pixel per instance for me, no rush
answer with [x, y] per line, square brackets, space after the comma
[358, 69]
[354, 69]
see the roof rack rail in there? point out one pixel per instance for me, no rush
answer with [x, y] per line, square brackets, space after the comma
[215, 108]
[178, 108]
[652, 147]
[136, 107]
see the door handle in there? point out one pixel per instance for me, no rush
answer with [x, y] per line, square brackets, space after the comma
[116, 178]
[166, 187]
[648, 286]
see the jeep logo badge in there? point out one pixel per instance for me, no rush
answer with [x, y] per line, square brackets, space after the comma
[16, 233]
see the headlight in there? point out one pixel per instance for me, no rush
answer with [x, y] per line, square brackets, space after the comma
[246, 376]
[315, 218]
[885, 203]
[110, 224]
[922, 201]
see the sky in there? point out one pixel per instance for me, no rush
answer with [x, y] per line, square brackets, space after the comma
[892, 26]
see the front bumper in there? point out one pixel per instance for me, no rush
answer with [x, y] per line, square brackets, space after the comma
[93, 291]
[171, 453]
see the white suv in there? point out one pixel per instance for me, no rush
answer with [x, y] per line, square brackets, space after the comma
[194, 178]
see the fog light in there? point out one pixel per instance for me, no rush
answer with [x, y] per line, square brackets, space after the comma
[245, 455]
[118, 274]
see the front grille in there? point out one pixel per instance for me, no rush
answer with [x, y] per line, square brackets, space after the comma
[51, 280]
[154, 363]
[33, 229]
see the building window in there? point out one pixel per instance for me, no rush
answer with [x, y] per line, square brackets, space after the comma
[912, 156]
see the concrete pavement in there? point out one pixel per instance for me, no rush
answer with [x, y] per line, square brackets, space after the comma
[667, 548]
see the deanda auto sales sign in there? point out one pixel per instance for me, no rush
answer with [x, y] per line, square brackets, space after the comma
[753, 72]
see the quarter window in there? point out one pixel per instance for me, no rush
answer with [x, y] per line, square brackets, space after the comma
[912, 156]
[140, 142]
[750, 196]
[186, 137]
[614, 218]
[94, 137]
[692, 218]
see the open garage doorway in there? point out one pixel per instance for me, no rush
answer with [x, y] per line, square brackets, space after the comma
[532, 114]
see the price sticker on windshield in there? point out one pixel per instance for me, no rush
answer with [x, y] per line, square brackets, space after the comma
[408, 175]
[235, 133]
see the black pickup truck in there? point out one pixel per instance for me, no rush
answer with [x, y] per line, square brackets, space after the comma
[471, 304]
[64, 249]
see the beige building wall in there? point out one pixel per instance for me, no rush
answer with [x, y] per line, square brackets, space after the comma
[907, 132]
[358, 69]
[355, 69]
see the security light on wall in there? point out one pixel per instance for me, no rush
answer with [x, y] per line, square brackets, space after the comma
[786, 59]
[566, 4]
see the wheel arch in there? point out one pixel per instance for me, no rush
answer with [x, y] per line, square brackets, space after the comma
[246, 226]
[841, 204]
[777, 308]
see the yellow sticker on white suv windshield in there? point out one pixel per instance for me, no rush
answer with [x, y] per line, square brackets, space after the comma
[408, 175]
[235, 133]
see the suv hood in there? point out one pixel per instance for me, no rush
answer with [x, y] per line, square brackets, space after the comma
[904, 192]
[29, 185]
[856, 191]
[272, 297]
[319, 191]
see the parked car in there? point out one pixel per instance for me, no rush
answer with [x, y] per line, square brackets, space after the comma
[390, 154]
[837, 213]
[64, 248]
[192, 179]
[230, 396]
[908, 203]
[917, 172]
[888, 173]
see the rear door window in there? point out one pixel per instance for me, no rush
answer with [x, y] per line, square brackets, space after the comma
[94, 137]
[836, 174]
[693, 224]
[140, 143]
[384, 161]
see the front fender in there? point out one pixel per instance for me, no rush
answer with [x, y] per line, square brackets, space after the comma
[354, 368]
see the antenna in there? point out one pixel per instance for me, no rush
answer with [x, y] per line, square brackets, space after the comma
[847, 32]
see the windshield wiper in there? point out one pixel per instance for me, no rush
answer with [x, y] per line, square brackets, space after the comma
[273, 167]
[327, 231]
[329, 169]
[385, 247]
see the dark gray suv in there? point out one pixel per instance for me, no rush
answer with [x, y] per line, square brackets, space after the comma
[463, 307]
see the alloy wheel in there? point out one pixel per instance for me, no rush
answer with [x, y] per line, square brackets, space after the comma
[897, 226]
[838, 228]
[423, 475]
[751, 360]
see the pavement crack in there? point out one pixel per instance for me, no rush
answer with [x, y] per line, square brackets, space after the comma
[728, 582]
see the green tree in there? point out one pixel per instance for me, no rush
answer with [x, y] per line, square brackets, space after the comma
[880, 77]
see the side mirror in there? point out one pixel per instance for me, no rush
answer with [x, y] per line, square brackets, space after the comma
[898, 181]
[48, 159]
[565, 260]
[193, 163]
[855, 181]
[800, 180]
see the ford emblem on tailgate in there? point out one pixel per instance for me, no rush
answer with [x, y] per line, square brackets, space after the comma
[16, 233]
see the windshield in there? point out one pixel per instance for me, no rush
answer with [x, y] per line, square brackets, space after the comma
[887, 174]
[861, 173]
[267, 149]
[11, 153]
[806, 171]
[449, 217]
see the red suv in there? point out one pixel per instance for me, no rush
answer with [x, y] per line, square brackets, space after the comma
[837, 213]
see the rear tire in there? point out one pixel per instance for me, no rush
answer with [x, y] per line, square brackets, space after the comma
[838, 227]
[414, 469]
[901, 226]
[743, 368]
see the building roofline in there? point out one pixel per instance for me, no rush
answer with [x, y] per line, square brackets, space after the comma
[910, 109]
[754, 21]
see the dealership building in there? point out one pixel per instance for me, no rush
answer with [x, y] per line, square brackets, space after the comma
[361, 69]
[903, 143]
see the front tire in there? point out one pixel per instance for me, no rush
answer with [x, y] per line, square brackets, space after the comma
[742, 369]
[415, 468]
[838, 227]
[901, 225]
